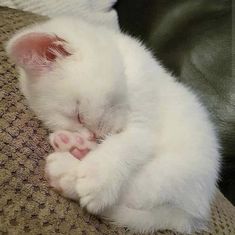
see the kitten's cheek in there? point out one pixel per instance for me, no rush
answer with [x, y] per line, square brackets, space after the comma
[79, 153]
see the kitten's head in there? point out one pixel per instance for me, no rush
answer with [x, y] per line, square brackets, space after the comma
[72, 75]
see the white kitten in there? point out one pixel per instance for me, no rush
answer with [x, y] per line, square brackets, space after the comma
[158, 163]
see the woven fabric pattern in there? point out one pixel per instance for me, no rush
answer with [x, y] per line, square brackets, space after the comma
[27, 204]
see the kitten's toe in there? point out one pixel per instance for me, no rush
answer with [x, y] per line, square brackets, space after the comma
[85, 140]
[82, 145]
[61, 140]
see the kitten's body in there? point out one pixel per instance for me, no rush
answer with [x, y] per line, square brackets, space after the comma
[158, 165]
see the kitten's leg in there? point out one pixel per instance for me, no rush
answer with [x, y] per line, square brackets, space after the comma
[98, 178]
[173, 180]
[62, 166]
[61, 173]
[160, 218]
[79, 144]
[103, 172]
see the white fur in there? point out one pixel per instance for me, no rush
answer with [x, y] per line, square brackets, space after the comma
[160, 171]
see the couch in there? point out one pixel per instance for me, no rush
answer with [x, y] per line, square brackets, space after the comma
[27, 204]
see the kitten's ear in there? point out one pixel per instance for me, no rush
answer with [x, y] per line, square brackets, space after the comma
[36, 52]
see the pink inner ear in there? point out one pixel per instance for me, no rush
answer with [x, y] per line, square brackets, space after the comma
[35, 50]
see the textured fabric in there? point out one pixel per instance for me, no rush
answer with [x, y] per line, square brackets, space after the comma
[27, 204]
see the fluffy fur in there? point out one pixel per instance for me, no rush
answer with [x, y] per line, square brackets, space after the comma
[157, 165]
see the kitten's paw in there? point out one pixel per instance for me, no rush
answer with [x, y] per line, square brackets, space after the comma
[60, 140]
[78, 144]
[61, 173]
[95, 185]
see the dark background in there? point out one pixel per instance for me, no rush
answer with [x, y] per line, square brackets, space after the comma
[193, 39]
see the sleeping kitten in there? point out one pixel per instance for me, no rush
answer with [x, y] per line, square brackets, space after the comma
[157, 164]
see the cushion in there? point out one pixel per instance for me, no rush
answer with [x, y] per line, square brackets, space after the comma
[27, 204]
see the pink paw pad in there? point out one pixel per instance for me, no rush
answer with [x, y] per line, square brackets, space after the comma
[75, 143]
[80, 140]
[64, 138]
[60, 141]
[79, 153]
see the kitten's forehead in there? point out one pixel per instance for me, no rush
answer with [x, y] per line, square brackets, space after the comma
[83, 83]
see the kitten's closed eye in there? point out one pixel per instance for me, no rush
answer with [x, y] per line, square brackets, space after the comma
[80, 118]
